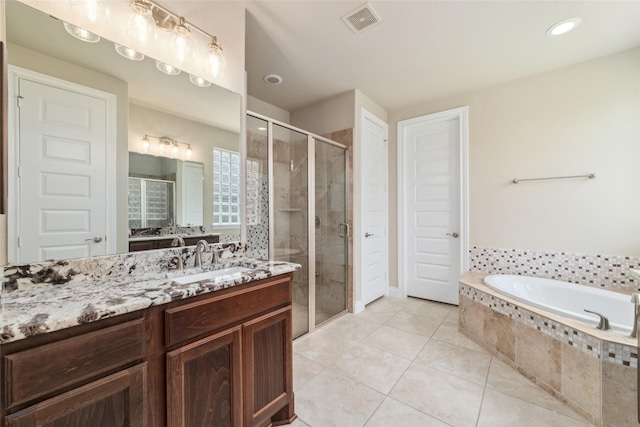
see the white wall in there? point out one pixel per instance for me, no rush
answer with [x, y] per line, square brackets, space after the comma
[268, 110]
[578, 119]
[330, 115]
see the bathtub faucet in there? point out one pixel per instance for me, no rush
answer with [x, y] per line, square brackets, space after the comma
[604, 322]
[635, 300]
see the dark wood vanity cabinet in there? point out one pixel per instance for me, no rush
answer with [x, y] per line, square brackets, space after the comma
[220, 359]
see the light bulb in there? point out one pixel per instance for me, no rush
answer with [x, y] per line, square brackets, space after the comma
[188, 152]
[161, 148]
[199, 81]
[128, 53]
[167, 69]
[81, 33]
[141, 28]
[214, 62]
[144, 145]
[174, 150]
[181, 45]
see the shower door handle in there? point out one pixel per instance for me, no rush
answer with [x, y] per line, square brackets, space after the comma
[344, 230]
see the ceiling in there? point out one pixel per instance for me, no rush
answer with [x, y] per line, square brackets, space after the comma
[423, 50]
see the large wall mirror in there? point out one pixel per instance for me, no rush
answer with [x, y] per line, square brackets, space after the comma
[95, 138]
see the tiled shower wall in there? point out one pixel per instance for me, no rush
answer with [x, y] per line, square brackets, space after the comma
[607, 271]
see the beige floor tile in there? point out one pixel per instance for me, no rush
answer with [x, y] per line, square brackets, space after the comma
[453, 316]
[448, 332]
[455, 360]
[414, 324]
[501, 410]
[331, 399]
[394, 413]
[304, 370]
[351, 327]
[395, 341]
[298, 423]
[422, 307]
[372, 367]
[507, 380]
[383, 309]
[448, 398]
[322, 347]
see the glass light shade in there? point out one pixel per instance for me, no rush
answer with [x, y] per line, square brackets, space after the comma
[167, 69]
[214, 62]
[199, 81]
[93, 10]
[188, 152]
[141, 29]
[181, 46]
[128, 53]
[175, 150]
[144, 144]
[161, 148]
[81, 33]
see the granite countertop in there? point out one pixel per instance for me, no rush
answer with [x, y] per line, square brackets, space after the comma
[170, 236]
[34, 311]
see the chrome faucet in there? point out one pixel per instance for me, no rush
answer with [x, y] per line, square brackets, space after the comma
[202, 244]
[216, 254]
[635, 300]
[603, 325]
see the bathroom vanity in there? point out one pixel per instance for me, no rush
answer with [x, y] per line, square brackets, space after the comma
[222, 357]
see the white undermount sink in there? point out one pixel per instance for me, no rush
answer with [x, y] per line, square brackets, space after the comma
[214, 275]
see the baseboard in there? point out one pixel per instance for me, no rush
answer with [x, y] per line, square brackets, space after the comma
[394, 292]
[358, 307]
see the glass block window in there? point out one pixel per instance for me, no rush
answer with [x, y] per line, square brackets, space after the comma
[226, 187]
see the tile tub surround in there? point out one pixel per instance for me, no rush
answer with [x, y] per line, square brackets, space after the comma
[592, 371]
[607, 271]
[42, 309]
[55, 273]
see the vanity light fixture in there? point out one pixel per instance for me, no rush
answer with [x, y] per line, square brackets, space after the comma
[166, 146]
[167, 68]
[563, 27]
[128, 53]
[146, 16]
[199, 81]
[81, 33]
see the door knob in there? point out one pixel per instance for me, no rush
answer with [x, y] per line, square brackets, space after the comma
[368, 234]
[96, 239]
[454, 235]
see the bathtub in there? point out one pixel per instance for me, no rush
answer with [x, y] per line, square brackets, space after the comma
[567, 299]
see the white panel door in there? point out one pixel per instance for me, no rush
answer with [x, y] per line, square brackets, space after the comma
[431, 211]
[192, 198]
[62, 151]
[374, 211]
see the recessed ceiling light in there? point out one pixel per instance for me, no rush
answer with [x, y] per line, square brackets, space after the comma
[563, 27]
[272, 79]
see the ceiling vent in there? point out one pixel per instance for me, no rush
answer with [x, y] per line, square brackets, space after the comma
[361, 18]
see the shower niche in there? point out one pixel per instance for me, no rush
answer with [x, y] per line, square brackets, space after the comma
[297, 212]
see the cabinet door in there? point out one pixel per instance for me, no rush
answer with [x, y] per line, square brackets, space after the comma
[268, 368]
[204, 382]
[118, 400]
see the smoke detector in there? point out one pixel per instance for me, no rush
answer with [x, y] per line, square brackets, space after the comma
[361, 18]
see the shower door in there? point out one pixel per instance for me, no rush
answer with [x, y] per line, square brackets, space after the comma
[331, 231]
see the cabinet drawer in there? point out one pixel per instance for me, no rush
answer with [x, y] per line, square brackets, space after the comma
[193, 320]
[43, 370]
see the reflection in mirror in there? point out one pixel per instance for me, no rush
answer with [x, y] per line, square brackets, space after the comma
[72, 196]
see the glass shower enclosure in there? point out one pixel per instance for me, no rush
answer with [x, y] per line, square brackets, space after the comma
[296, 206]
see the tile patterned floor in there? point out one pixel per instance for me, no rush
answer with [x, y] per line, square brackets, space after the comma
[404, 363]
